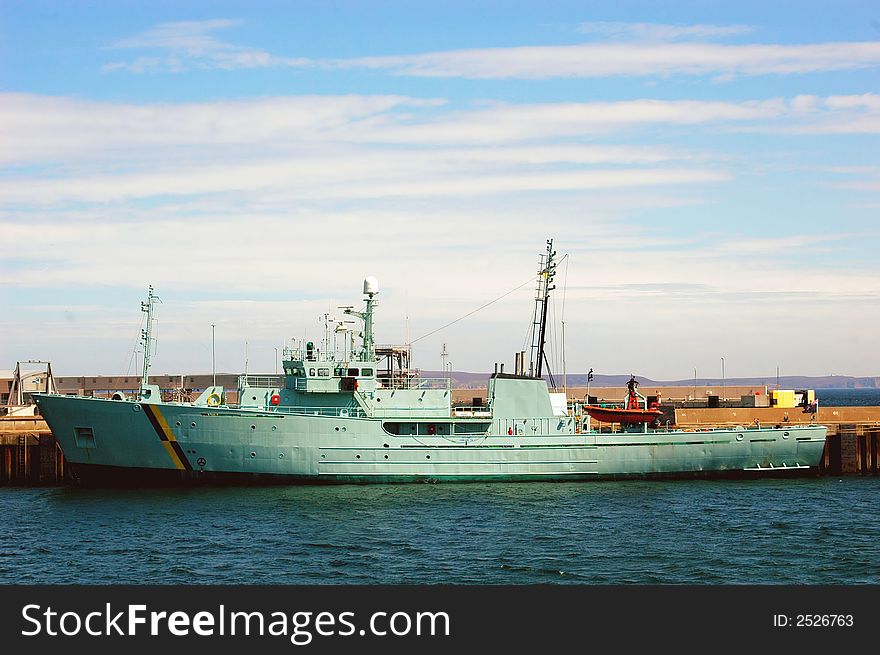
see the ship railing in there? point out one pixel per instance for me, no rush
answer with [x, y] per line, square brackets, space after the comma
[607, 405]
[475, 410]
[409, 413]
[266, 381]
[442, 384]
[321, 356]
[340, 412]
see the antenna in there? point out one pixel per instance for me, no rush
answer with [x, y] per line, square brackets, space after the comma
[213, 358]
[147, 333]
[546, 275]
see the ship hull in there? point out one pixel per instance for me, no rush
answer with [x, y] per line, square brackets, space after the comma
[91, 475]
[126, 442]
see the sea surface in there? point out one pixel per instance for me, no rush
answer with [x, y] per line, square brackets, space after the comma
[793, 531]
[797, 531]
[848, 397]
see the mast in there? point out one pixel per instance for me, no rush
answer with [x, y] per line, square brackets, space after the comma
[371, 288]
[147, 334]
[546, 274]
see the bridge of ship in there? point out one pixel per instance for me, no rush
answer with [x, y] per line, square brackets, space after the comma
[319, 384]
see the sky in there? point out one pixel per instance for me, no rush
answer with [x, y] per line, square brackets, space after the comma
[708, 171]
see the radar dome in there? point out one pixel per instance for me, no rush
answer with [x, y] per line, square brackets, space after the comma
[371, 285]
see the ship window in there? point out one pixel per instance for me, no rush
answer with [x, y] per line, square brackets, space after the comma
[324, 372]
[367, 372]
[352, 372]
[311, 371]
[339, 372]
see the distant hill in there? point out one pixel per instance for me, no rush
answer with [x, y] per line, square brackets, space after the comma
[466, 380]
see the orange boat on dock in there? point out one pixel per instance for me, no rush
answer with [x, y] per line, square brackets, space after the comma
[631, 413]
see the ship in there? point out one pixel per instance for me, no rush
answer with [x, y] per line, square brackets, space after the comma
[339, 415]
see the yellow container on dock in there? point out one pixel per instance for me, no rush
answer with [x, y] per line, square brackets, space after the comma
[782, 398]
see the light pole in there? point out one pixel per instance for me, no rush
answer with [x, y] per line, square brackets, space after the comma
[722, 379]
[276, 361]
[695, 382]
[213, 358]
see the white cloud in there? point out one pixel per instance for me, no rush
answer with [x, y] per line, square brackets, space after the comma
[182, 46]
[361, 175]
[50, 129]
[191, 36]
[348, 147]
[626, 59]
[43, 128]
[661, 31]
[191, 44]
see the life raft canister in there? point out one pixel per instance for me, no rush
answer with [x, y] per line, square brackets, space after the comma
[276, 399]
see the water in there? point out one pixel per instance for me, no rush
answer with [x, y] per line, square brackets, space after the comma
[848, 397]
[801, 531]
[805, 531]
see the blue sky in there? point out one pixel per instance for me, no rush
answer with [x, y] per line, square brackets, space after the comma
[710, 168]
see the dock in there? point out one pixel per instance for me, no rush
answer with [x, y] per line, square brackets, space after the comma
[29, 454]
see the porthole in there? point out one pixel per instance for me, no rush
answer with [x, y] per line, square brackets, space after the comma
[386, 456]
[357, 456]
[739, 437]
[253, 427]
[280, 455]
[193, 424]
[785, 435]
[337, 428]
[253, 454]
[323, 456]
[177, 423]
[274, 427]
[427, 457]
[137, 408]
[253, 397]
